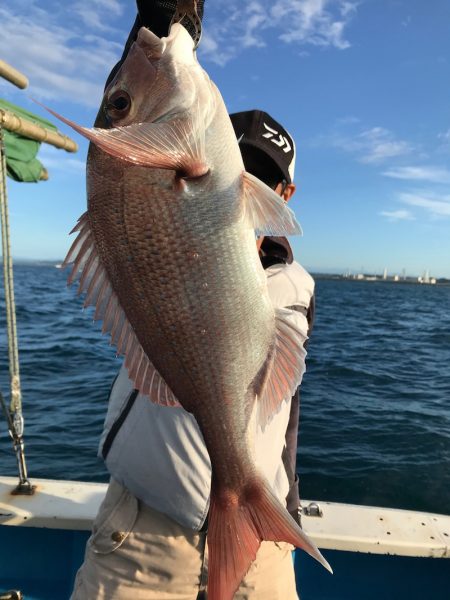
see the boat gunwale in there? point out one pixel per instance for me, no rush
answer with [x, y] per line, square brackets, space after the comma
[60, 504]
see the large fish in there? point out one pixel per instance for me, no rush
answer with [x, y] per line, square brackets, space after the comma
[166, 252]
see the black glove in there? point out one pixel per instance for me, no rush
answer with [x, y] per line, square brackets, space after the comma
[157, 15]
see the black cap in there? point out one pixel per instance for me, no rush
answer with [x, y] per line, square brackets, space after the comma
[256, 129]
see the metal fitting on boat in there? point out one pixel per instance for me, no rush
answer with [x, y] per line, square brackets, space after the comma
[11, 595]
[313, 510]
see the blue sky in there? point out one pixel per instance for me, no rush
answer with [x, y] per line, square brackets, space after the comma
[363, 86]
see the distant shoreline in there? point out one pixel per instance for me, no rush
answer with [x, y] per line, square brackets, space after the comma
[378, 279]
[330, 276]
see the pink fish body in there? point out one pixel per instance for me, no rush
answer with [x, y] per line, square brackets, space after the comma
[166, 253]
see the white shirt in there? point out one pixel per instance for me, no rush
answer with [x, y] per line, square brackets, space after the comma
[158, 452]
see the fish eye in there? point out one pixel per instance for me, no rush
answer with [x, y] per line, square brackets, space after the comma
[118, 105]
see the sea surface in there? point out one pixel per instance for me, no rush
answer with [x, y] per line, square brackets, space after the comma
[375, 401]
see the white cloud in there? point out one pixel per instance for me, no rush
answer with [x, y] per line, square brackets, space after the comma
[236, 26]
[406, 21]
[67, 56]
[430, 174]
[435, 205]
[349, 120]
[370, 146]
[97, 13]
[59, 160]
[61, 63]
[314, 21]
[378, 144]
[398, 215]
[348, 8]
[445, 136]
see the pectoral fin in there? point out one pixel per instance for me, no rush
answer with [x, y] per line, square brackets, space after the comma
[286, 368]
[267, 212]
[178, 144]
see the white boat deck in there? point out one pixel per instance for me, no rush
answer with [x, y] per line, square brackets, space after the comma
[74, 504]
[56, 504]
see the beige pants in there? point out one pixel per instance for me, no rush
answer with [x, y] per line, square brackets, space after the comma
[136, 553]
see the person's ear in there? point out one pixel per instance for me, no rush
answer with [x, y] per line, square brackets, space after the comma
[289, 191]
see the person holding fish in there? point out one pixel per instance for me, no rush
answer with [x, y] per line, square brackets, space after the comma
[200, 476]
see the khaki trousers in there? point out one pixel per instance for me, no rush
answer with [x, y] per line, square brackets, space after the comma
[136, 553]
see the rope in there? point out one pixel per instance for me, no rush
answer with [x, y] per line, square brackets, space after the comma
[15, 420]
[13, 350]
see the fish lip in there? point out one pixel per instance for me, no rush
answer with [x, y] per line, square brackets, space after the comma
[152, 46]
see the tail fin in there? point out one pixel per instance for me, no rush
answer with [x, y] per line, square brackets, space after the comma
[237, 526]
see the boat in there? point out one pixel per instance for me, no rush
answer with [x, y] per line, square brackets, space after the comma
[375, 552]
[44, 524]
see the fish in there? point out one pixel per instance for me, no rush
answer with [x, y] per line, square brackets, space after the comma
[166, 254]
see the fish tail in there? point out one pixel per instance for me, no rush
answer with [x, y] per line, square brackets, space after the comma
[237, 525]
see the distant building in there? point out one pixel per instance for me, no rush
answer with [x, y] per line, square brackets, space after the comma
[426, 279]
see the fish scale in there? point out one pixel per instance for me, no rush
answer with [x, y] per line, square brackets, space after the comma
[172, 288]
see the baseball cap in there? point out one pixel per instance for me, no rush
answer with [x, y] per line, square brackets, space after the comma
[257, 130]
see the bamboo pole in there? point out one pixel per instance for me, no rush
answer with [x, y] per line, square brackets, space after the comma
[12, 75]
[12, 122]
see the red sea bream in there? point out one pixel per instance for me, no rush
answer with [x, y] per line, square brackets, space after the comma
[166, 253]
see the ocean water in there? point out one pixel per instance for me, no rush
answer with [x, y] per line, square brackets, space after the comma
[375, 401]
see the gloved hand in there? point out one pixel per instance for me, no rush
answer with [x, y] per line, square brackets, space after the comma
[157, 15]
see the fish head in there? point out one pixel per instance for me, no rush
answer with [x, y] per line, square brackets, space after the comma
[159, 80]
[160, 108]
